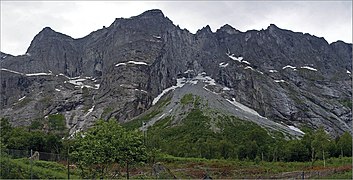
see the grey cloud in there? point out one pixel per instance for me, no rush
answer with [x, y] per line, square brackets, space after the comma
[21, 21]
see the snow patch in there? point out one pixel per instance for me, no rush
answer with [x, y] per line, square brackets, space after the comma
[131, 62]
[158, 37]
[248, 67]
[235, 58]
[137, 63]
[32, 74]
[309, 68]
[280, 81]
[348, 72]
[206, 79]
[246, 62]
[226, 89]
[8, 70]
[141, 90]
[89, 111]
[296, 129]
[188, 71]
[193, 81]
[243, 107]
[22, 98]
[223, 64]
[57, 90]
[120, 64]
[39, 74]
[77, 82]
[272, 71]
[160, 117]
[180, 83]
[289, 66]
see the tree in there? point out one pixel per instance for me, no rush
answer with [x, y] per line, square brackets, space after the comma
[320, 143]
[18, 139]
[5, 130]
[131, 149]
[344, 144]
[53, 143]
[36, 141]
[106, 143]
[295, 151]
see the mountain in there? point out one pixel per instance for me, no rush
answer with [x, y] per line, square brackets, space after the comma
[144, 65]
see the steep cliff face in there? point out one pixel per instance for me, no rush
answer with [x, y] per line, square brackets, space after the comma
[120, 71]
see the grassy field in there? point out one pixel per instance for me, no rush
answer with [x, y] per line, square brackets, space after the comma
[21, 169]
[223, 169]
[192, 168]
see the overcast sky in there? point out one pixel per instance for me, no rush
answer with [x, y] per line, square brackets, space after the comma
[21, 21]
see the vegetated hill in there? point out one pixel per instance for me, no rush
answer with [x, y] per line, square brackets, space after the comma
[276, 78]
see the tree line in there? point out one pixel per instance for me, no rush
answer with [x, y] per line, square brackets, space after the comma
[96, 150]
[236, 139]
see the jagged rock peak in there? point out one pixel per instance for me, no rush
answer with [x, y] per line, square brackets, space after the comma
[49, 32]
[273, 29]
[151, 13]
[228, 29]
[272, 26]
[45, 37]
[206, 29]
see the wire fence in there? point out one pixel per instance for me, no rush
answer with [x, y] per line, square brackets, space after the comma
[25, 168]
[37, 155]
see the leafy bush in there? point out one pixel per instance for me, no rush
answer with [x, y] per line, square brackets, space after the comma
[57, 122]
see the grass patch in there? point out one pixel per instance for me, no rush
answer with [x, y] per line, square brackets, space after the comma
[106, 111]
[46, 101]
[21, 169]
[37, 124]
[136, 123]
[186, 99]
[23, 103]
[347, 103]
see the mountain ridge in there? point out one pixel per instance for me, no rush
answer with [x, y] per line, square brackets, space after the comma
[118, 71]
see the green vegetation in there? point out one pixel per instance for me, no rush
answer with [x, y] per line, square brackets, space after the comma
[20, 169]
[136, 123]
[106, 143]
[227, 137]
[186, 99]
[57, 122]
[37, 124]
[203, 142]
[106, 111]
[23, 103]
[347, 103]
[22, 138]
[195, 138]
